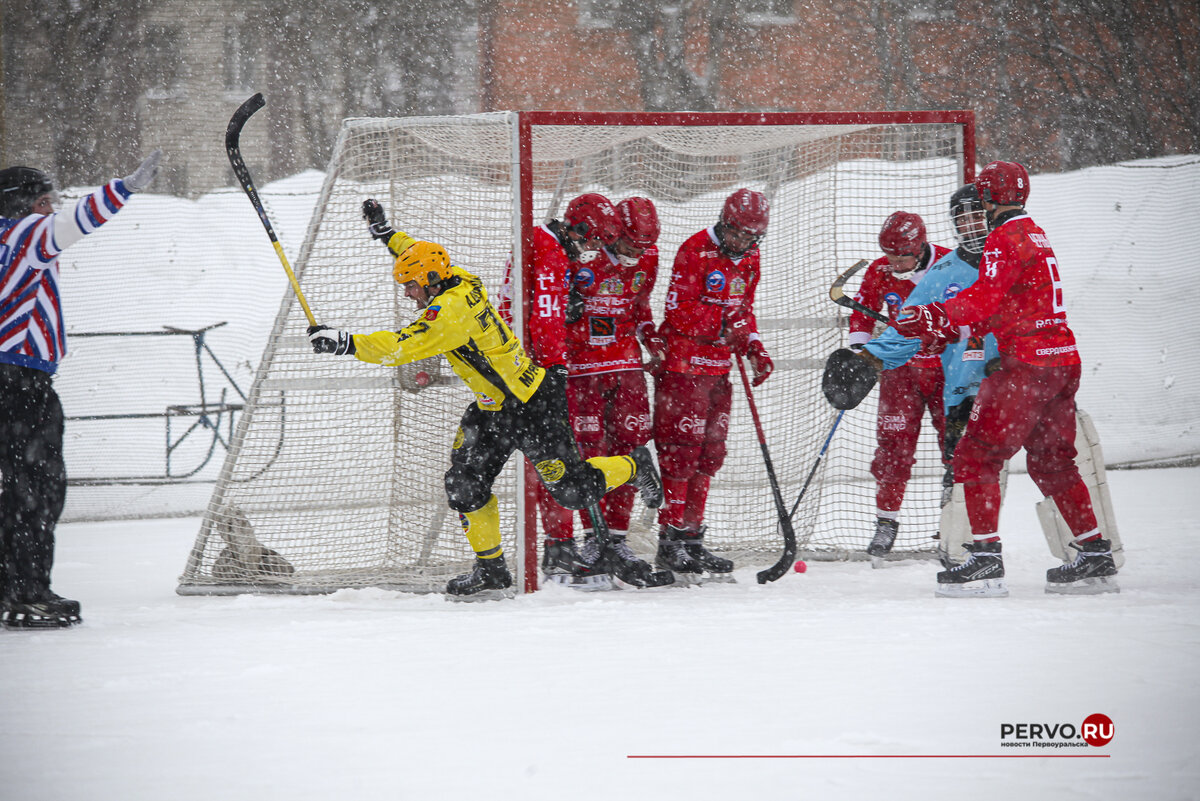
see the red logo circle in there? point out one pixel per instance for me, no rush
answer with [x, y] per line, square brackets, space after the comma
[1097, 729]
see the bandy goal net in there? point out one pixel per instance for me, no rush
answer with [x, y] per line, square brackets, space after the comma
[334, 477]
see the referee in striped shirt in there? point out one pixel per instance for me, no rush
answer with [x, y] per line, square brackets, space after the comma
[32, 343]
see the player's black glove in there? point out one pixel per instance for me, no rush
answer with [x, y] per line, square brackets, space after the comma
[377, 220]
[328, 340]
[574, 312]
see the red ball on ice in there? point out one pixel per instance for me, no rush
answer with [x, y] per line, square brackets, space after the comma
[801, 566]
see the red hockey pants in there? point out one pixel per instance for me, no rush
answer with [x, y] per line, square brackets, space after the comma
[1030, 406]
[904, 395]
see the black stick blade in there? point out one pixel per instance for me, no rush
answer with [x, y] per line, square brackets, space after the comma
[777, 570]
[234, 131]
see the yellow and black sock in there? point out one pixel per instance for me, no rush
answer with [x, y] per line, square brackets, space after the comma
[482, 528]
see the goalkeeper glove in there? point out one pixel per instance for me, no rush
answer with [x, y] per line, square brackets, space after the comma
[327, 340]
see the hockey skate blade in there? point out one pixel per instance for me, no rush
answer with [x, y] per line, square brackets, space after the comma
[483, 595]
[687, 579]
[24, 622]
[1097, 585]
[988, 588]
[700, 579]
[881, 561]
[656, 580]
[601, 582]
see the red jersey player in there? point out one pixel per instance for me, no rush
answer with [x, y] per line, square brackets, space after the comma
[908, 391]
[589, 224]
[1029, 402]
[709, 316]
[608, 313]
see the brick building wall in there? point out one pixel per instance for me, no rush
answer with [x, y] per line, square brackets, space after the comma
[873, 55]
[803, 55]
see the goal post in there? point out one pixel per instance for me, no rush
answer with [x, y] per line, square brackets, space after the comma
[336, 466]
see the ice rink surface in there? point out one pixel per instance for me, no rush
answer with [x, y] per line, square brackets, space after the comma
[842, 683]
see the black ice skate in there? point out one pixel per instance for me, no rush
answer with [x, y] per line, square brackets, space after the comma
[884, 539]
[569, 566]
[619, 561]
[716, 568]
[673, 555]
[1093, 571]
[43, 611]
[646, 478]
[943, 555]
[980, 576]
[490, 580]
[560, 556]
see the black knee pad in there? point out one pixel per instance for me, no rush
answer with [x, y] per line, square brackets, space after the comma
[465, 492]
[581, 486]
[569, 497]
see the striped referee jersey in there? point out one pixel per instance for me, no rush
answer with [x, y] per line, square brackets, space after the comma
[32, 333]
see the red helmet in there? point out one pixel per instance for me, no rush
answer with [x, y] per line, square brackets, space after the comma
[748, 211]
[593, 216]
[640, 219]
[1005, 183]
[903, 234]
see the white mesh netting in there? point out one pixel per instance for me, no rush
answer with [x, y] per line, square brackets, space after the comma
[337, 465]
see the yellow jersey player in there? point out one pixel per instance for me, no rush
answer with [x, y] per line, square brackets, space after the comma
[518, 404]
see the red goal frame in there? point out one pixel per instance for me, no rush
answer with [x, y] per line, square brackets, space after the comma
[524, 151]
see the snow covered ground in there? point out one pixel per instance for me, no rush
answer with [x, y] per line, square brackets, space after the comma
[842, 683]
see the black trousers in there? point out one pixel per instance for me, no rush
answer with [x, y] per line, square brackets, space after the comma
[34, 479]
[541, 429]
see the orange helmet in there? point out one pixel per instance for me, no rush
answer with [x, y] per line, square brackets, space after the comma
[423, 262]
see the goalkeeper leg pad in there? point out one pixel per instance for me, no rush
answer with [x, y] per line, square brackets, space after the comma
[1089, 458]
[954, 529]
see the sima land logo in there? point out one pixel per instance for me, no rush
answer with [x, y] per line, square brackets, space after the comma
[1096, 731]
